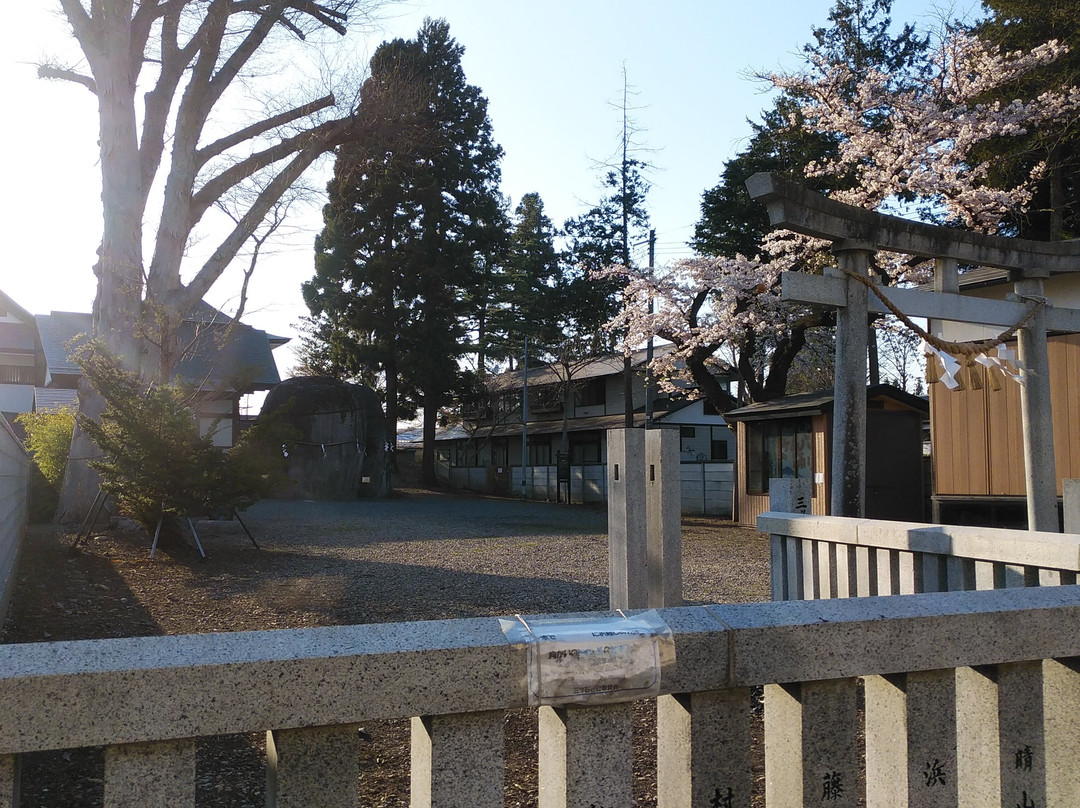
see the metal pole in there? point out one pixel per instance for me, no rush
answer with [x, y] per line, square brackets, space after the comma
[524, 415]
[649, 350]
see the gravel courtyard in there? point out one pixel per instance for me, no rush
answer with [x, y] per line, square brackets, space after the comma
[418, 556]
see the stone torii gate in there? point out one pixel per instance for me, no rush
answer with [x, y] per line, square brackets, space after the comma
[857, 233]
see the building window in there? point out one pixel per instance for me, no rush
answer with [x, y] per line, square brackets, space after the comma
[590, 392]
[466, 454]
[17, 374]
[540, 450]
[720, 445]
[584, 450]
[778, 449]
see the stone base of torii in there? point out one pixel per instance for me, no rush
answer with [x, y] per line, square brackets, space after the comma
[856, 234]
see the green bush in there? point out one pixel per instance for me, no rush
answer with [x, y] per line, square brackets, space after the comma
[48, 440]
[153, 459]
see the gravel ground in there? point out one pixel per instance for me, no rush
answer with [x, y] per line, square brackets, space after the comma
[418, 556]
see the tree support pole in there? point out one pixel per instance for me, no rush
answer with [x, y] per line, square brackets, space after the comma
[848, 472]
[1040, 471]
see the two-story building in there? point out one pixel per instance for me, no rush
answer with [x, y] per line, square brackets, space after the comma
[22, 364]
[563, 441]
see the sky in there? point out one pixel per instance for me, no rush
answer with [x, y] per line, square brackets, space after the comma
[552, 72]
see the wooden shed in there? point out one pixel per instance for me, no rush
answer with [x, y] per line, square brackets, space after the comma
[979, 448]
[977, 435]
[792, 437]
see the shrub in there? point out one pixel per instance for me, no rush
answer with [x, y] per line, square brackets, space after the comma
[48, 439]
[153, 460]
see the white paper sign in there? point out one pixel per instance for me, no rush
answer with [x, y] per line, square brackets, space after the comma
[594, 660]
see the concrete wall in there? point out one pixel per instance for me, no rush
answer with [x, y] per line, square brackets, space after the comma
[820, 557]
[14, 507]
[708, 489]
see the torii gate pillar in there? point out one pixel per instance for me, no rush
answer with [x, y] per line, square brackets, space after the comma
[848, 470]
[1035, 414]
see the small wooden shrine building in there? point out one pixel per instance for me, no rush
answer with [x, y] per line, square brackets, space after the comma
[793, 436]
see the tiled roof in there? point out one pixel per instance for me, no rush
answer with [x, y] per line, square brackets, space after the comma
[55, 398]
[9, 306]
[819, 402]
[243, 362]
[56, 330]
[609, 365]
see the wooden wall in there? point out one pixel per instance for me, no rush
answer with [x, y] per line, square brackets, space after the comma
[977, 440]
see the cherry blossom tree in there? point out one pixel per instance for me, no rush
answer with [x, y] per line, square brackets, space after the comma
[914, 139]
[908, 139]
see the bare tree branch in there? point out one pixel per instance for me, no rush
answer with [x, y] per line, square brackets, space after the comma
[224, 144]
[64, 74]
[322, 137]
[212, 269]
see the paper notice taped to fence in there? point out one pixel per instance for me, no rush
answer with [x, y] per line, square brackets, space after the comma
[599, 660]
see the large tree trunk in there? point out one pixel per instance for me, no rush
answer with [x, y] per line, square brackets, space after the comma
[390, 370]
[119, 269]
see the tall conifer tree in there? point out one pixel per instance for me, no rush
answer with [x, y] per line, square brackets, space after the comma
[413, 218]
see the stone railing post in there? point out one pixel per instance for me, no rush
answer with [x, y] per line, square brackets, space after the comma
[703, 749]
[160, 773]
[586, 756]
[931, 736]
[458, 760]
[811, 744]
[10, 772]
[314, 767]
[1070, 489]
[1039, 714]
[628, 559]
[663, 507]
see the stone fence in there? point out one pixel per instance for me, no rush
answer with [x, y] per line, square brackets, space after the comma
[837, 557]
[14, 507]
[966, 703]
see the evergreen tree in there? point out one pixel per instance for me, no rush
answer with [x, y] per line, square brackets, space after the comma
[527, 300]
[413, 223]
[1022, 25]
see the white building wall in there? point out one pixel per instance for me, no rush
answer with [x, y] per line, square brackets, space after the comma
[16, 398]
[14, 507]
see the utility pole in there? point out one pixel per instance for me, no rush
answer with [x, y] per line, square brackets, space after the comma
[524, 416]
[649, 350]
